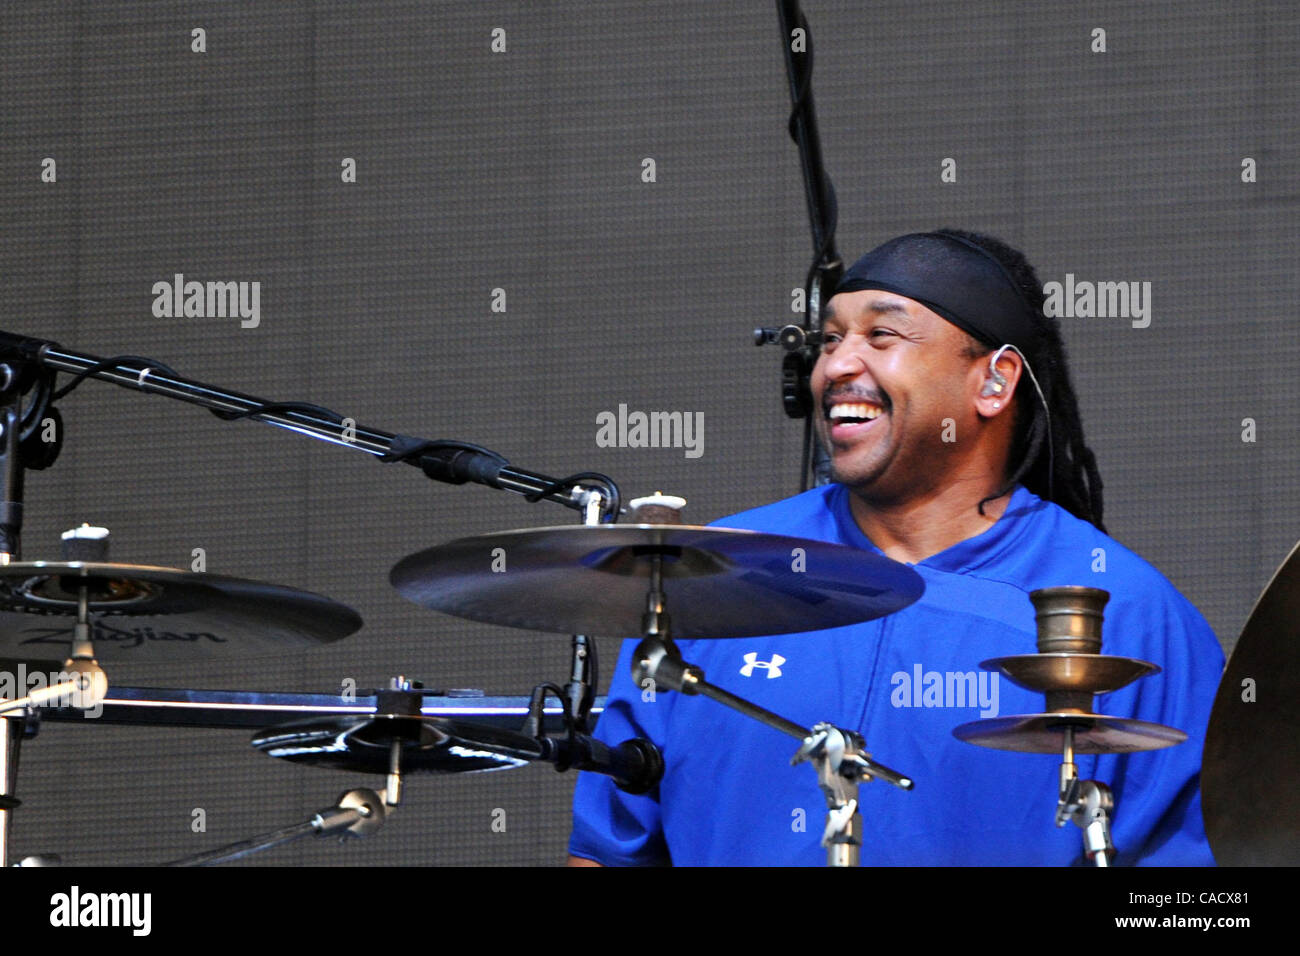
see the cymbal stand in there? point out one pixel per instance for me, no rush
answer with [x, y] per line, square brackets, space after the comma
[1070, 670]
[841, 765]
[12, 725]
[837, 754]
[1087, 804]
[358, 812]
[30, 438]
[402, 697]
[1069, 621]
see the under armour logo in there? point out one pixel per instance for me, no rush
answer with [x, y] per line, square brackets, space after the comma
[773, 666]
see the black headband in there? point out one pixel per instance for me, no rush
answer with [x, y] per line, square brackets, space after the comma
[953, 277]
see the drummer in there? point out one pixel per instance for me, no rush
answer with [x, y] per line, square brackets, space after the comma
[943, 397]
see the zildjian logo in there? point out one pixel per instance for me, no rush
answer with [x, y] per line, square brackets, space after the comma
[102, 632]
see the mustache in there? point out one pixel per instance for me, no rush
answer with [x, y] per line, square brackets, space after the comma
[855, 392]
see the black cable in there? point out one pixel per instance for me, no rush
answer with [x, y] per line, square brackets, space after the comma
[805, 77]
[538, 701]
[142, 362]
[31, 418]
[613, 498]
[535, 722]
[273, 408]
[130, 361]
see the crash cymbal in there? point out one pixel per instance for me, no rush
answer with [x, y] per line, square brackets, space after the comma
[718, 582]
[153, 614]
[1251, 763]
[1083, 673]
[1044, 733]
[429, 744]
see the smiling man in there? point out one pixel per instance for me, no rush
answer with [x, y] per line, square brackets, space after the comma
[956, 446]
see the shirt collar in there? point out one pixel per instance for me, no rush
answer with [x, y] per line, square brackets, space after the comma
[982, 549]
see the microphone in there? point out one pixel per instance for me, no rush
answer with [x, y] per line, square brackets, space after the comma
[636, 765]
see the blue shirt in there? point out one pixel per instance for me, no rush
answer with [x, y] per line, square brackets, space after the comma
[730, 797]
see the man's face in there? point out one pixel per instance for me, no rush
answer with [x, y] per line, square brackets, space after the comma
[890, 372]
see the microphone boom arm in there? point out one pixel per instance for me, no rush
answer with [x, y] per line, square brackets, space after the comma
[448, 461]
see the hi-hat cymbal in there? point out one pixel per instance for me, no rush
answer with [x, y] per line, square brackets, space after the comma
[1045, 733]
[362, 744]
[153, 614]
[1082, 673]
[1251, 762]
[718, 582]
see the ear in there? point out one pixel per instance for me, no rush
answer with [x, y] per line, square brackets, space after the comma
[993, 393]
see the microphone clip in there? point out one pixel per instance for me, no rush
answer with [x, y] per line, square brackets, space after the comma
[789, 337]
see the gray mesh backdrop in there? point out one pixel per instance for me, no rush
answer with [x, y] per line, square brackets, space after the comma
[521, 170]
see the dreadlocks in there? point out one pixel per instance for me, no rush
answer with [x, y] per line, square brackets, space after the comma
[1067, 471]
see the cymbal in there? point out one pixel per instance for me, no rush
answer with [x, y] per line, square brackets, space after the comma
[155, 614]
[594, 579]
[1082, 673]
[429, 744]
[1045, 733]
[1251, 762]
[251, 709]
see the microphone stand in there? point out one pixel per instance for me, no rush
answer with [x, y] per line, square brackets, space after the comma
[31, 365]
[824, 274]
